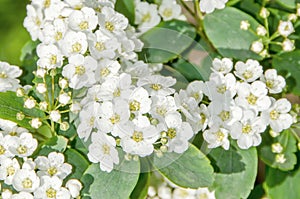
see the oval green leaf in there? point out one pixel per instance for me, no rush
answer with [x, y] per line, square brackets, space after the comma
[236, 171]
[166, 41]
[117, 184]
[191, 169]
[235, 43]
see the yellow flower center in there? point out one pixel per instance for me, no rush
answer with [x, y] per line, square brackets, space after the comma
[203, 196]
[203, 118]
[134, 106]
[222, 89]
[10, 170]
[270, 83]
[115, 119]
[47, 3]
[274, 115]
[100, 46]
[22, 149]
[3, 75]
[156, 87]
[137, 136]
[252, 99]
[220, 136]
[247, 74]
[171, 133]
[58, 36]
[52, 171]
[246, 129]
[109, 26]
[146, 17]
[27, 183]
[53, 59]
[117, 93]
[79, 70]
[84, 25]
[2, 150]
[161, 111]
[92, 121]
[104, 72]
[105, 149]
[76, 47]
[224, 115]
[51, 193]
[168, 12]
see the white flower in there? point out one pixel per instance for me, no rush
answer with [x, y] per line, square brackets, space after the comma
[220, 87]
[139, 101]
[157, 85]
[30, 103]
[102, 44]
[194, 90]
[224, 113]
[275, 83]
[22, 146]
[83, 20]
[257, 46]
[280, 158]
[8, 77]
[50, 56]
[4, 144]
[116, 87]
[40, 72]
[249, 71]
[136, 69]
[54, 31]
[89, 119]
[277, 116]
[247, 131]
[74, 186]
[53, 165]
[181, 193]
[139, 140]
[161, 106]
[146, 16]
[276, 148]
[113, 115]
[169, 9]
[224, 65]
[41, 88]
[34, 21]
[107, 68]
[26, 180]
[52, 8]
[8, 169]
[208, 6]
[253, 96]
[74, 43]
[22, 195]
[200, 118]
[216, 136]
[261, 30]
[178, 132]
[51, 187]
[164, 192]
[80, 71]
[6, 194]
[55, 116]
[111, 21]
[35, 123]
[244, 25]
[285, 28]
[64, 98]
[185, 103]
[103, 150]
[288, 45]
[204, 193]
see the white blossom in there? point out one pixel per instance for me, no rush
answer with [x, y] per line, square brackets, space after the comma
[8, 77]
[157, 85]
[50, 56]
[22, 146]
[74, 186]
[169, 9]
[208, 6]
[34, 21]
[146, 15]
[74, 43]
[275, 83]
[285, 28]
[224, 65]
[216, 136]
[8, 169]
[83, 20]
[26, 180]
[249, 71]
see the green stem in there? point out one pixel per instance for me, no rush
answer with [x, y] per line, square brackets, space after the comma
[295, 134]
[187, 7]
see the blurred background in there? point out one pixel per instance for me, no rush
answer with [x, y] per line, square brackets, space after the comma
[13, 35]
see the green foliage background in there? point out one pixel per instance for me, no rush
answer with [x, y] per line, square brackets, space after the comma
[13, 35]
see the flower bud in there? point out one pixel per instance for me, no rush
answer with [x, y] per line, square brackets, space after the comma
[20, 116]
[55, 116]
[43, 106]
[245, 25]
[288, 45]
[257, 46]
[277, 148]
[63, 83]
[30, 103]
[64, 126]
[264, 13]
[41, 88]
[280, 158]
[261, 31]
[35, 123]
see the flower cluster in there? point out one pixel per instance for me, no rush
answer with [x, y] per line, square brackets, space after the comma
[241, 104]
[41, 177]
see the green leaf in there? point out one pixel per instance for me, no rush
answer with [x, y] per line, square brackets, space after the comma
[287, 3]
[141, 189]
[189, 70]
[236, 171]
[78, 162]
[236, 43]
[288, 142]
[57, 143]
[289, 62]
[28, 59]
[10, 105]
[281, 184]
[166, 41]
[191, 169]
[117, 184]
[127, 8]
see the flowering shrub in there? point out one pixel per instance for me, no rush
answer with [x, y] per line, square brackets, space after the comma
[153, 99]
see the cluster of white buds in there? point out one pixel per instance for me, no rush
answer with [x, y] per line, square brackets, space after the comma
[41, 178]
